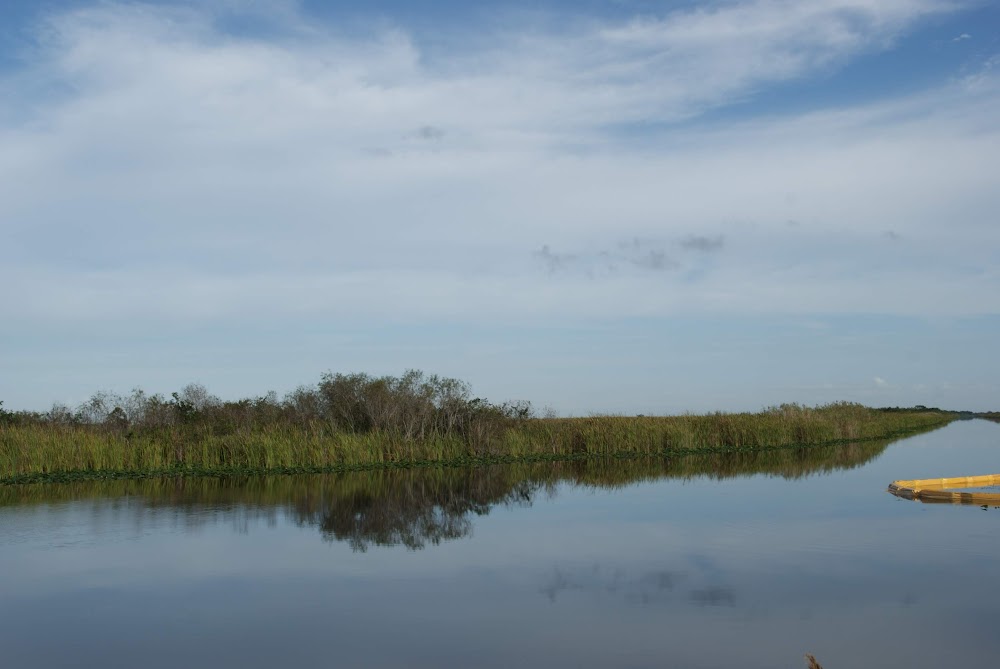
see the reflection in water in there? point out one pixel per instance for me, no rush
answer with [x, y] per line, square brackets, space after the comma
[714, 596]
[700, 582]
[417, 507]
[970, 501]
[750, 573]
[646, 588]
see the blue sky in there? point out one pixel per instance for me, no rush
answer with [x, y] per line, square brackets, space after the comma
[640, 207]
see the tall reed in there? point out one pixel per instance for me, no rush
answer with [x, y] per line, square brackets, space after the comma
[417, 506]
[31, 449]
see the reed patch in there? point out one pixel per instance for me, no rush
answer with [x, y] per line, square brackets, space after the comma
[350, 422]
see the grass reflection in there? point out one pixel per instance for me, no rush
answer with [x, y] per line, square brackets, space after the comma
[424, 506]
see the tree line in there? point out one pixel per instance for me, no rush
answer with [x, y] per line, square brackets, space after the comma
[413, 407]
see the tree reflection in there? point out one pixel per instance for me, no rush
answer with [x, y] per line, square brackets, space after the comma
[415, 507]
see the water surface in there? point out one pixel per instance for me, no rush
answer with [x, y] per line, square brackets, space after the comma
[703, 562]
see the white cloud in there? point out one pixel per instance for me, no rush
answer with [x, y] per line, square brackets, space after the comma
[730, 48]
[180, 173]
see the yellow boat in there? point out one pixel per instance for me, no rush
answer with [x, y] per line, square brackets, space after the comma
[949, 490]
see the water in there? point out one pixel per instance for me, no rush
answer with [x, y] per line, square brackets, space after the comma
[577, 565]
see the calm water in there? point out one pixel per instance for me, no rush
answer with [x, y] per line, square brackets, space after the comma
[626, 565]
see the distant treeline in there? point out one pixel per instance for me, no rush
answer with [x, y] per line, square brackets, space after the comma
[351, 421]
[414, 406]
[960, 415]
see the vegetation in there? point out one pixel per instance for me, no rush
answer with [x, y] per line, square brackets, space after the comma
[418, 506]
[356, 421]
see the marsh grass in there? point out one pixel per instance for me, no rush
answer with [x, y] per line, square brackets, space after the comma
[442, 481]
[417, 506]
[990, 415]
[39, 450]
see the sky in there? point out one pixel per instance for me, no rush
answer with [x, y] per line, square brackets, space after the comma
[601, 206]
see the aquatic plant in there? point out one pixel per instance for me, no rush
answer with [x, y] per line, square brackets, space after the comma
[356, 421]
[420, 506]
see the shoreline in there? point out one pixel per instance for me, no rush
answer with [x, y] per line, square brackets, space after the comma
[189, 470]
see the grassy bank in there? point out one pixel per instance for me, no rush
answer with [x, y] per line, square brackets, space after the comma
[484, 485]
[417, 506]
[39, 450]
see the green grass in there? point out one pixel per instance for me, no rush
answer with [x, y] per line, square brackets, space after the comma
[35, 451]
[420, 505]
